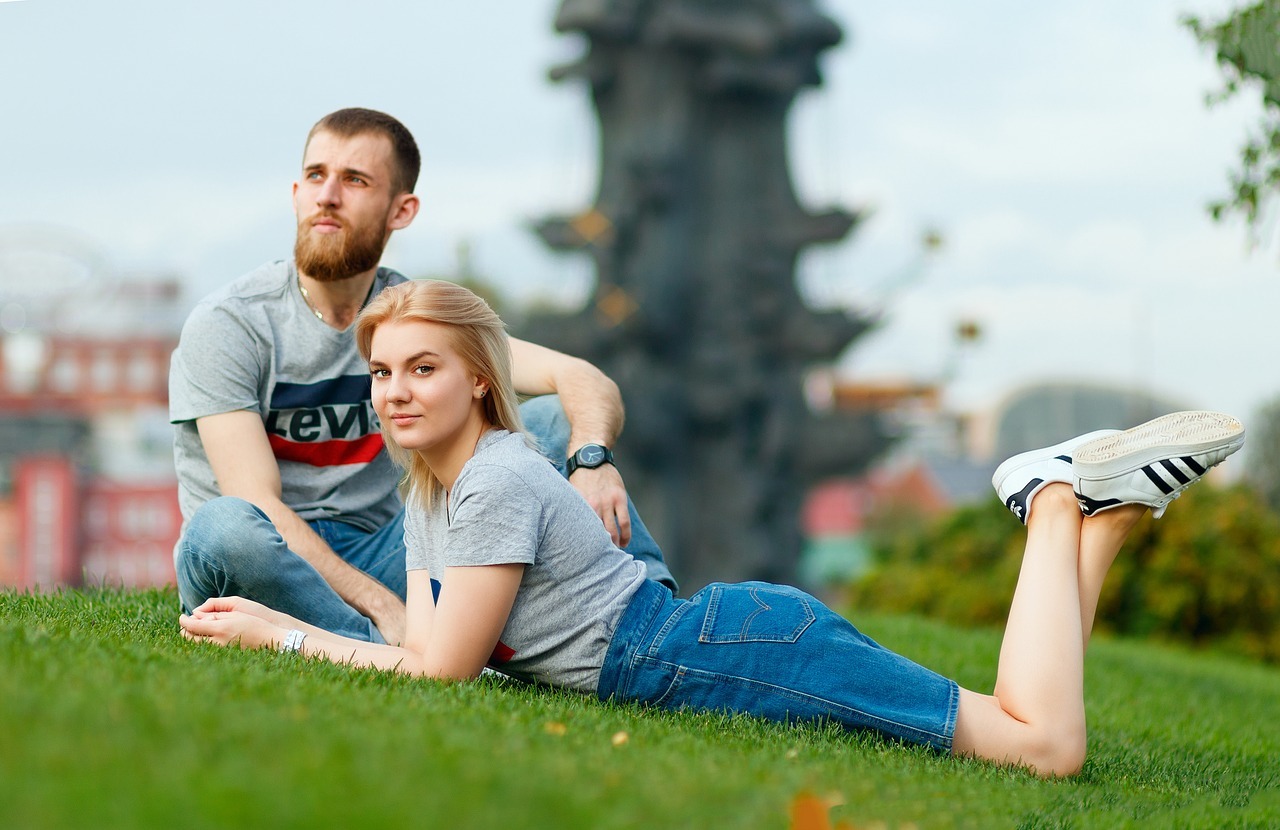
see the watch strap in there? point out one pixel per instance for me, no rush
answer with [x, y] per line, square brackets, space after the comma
[574, 462]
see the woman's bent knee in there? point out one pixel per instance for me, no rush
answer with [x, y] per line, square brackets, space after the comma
[1055, 755]
[985, 730]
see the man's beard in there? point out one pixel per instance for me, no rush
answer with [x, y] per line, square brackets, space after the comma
[338, 256]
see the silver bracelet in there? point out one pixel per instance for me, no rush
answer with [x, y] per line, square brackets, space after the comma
[293, 641]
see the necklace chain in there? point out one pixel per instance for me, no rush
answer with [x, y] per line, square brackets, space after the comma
[306, 298]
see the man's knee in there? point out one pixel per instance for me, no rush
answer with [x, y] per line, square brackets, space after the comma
[226, 532]
[545, 422]
[227, 523]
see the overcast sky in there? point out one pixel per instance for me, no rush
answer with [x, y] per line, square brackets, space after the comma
[1063, 149]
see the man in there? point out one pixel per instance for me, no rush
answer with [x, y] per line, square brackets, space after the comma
[287, 493]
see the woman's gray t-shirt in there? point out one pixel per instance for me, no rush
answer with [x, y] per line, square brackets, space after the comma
[510, 505]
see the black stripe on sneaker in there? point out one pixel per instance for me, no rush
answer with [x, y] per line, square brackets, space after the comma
[1191, 462]
[1017, 503]
[1182, 477]
[1090, 506]
[1156, 479]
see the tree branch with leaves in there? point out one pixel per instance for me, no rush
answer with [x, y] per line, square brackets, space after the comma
[1247, 47]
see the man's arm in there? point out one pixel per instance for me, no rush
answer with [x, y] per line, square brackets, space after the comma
[238, 451]
[593, 406]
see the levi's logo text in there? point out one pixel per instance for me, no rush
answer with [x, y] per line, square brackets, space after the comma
[324, 424]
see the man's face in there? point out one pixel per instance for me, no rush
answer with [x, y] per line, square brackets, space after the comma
[345, 204]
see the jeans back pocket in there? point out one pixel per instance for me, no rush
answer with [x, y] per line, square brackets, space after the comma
[755, 612]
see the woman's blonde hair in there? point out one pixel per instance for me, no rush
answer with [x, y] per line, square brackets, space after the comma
[480, 338]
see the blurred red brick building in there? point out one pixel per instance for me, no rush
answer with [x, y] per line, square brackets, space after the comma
[87, 490]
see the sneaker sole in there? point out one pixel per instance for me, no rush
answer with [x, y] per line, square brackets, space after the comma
[1177, 434]
[1024, 459]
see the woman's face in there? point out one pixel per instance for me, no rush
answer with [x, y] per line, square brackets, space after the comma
[423, 392]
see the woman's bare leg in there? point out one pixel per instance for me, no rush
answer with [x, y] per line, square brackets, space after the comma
[1036, 716]
[1101, 538]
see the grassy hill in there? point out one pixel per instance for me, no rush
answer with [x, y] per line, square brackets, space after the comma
[109, 719]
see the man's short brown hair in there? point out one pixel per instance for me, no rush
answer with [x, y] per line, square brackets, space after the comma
[353, 121]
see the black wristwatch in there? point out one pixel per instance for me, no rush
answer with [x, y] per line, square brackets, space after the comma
[589, 456]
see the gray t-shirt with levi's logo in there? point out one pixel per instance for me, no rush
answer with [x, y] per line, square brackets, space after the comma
[255, 345]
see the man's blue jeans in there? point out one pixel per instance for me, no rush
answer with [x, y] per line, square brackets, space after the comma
[231, 548]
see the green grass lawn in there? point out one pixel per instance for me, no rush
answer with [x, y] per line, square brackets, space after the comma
[109, 719]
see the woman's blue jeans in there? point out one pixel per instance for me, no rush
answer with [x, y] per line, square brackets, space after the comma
[775, 652]
[231, 548]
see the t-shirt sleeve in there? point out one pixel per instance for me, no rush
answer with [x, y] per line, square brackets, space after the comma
[217, 367]
[497, 520]
[415, 552]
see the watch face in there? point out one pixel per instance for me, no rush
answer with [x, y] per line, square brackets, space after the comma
[591, 456]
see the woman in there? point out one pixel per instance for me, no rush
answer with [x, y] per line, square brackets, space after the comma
[530, 583]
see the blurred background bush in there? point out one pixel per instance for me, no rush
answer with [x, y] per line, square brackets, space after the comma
[1206, 574]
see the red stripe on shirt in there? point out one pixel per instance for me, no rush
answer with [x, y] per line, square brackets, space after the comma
[501, 654]
[328, 453]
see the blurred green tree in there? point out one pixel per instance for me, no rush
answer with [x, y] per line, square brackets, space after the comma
[1245, 44]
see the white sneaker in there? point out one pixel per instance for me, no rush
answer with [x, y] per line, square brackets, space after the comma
[1153, 463]
[1019, 478]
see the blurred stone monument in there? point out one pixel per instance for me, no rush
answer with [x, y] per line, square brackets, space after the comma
[695, 233]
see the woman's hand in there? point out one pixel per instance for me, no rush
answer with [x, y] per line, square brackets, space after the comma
[231, 627]
[221, 605]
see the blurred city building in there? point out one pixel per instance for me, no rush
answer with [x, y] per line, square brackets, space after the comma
[87, 487]
[1043, 414]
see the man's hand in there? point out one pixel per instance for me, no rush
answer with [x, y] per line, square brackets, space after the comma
[389, 617]
[603, 489]
[245, 466]
[593, 405]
